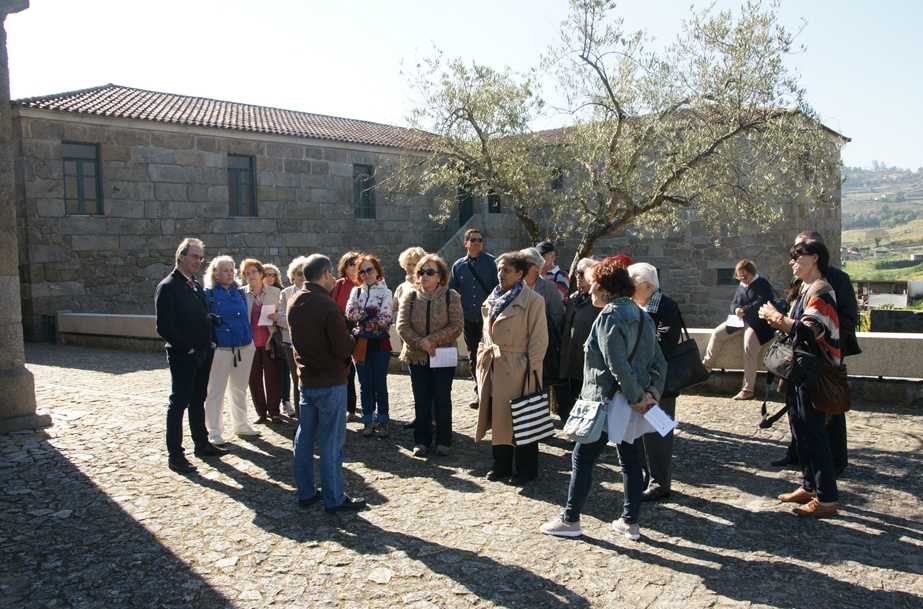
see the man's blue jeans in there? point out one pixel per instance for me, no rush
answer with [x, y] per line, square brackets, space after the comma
[432, 388]
[323, 420]
[581, 478]
[373, 386]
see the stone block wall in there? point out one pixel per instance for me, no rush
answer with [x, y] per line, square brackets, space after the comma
[161, 183]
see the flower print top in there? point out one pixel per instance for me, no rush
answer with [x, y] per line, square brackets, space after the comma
[370, 308]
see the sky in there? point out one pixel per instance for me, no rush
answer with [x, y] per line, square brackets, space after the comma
[861, 67]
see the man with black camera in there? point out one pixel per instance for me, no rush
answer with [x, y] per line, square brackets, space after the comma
[184, 321]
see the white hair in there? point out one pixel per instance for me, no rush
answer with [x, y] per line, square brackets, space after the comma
[210, 280]
[532, 254]
[642, 272]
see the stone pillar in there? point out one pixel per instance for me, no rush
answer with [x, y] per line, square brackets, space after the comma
[17, 387]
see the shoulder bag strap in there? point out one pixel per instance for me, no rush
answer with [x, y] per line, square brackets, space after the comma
[476, 276]
[682, 322]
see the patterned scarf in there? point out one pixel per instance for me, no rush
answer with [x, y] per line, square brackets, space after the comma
[499, 300]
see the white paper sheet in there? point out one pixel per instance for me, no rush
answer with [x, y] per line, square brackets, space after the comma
[734, 322]
[446, 357]
[660, 420]
[623, 423]
[268, 310]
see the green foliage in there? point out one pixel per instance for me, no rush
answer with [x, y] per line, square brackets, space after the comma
[714, 128]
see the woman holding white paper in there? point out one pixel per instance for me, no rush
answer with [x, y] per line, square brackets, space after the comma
[622, 349]
[754, 291]
[430, 317]
[265, 368]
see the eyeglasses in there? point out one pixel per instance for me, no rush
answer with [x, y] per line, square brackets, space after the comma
[196, 257]
[579, 273]
[272, 274]
[796, 255]
[475, 240]
[353, 263]
[367, 271]
[427, 272]
[299, 273]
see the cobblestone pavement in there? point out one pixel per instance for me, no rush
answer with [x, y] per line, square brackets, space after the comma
[91, 517]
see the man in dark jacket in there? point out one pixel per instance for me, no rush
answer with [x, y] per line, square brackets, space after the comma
[183, 321]
[847, 309]
[322, 347]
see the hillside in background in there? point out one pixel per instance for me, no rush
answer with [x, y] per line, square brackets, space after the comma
[883, 206]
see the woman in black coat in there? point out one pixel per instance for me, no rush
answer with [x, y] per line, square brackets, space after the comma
[578, 319]
[657, 450]
[753, 292]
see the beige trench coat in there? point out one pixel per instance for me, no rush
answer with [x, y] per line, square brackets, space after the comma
[520, 329]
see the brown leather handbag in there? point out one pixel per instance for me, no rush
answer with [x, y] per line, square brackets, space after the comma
[832, 393]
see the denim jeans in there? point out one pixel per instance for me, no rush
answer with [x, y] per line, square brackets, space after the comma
[189, 388]
[323, 420]
[432, 388]
[373, 386]
[812, 443]
[581, 478]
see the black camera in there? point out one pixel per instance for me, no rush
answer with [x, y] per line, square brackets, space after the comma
[213, 320]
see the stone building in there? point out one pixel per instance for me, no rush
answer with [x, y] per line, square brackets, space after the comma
[108, 181]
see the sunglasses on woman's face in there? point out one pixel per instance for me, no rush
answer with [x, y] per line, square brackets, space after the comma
[271, 275]
[367, 271]
[427, 272]
[796, 255]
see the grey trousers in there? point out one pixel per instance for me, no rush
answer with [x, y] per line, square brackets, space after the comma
[657, 454]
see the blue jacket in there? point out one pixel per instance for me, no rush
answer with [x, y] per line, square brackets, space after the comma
[234, 331]
[463, 281]
[607, 349]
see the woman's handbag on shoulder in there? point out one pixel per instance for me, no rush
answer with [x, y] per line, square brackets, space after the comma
[531, 413]
[275, 346]
[684, 365]
[788, 359]
[588, 419]
[832, 393]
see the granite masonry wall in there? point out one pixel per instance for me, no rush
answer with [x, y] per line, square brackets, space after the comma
[163, 182]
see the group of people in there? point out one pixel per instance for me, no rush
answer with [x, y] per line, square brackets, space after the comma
[606, 341]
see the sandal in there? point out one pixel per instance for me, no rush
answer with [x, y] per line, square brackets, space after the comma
[744, 395]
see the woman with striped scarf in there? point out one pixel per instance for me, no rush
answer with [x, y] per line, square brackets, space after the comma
[813, 310]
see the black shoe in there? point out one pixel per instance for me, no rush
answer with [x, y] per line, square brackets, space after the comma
[210, 450]
[522, 479]
[181, 467]
[311, 501]
[261, 421]
[474, 405]
[410, 425]
[788, 459]
[494, 475]
[351, 504]
[653, 494]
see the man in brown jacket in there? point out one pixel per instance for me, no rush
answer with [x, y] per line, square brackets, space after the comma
[322, 349]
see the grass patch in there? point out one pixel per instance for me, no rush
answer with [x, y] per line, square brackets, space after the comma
[886, 268]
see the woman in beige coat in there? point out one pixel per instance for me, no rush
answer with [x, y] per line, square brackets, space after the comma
[513, 346]
[264, 366]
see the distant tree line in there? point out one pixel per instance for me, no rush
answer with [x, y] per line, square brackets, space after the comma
[884, 218]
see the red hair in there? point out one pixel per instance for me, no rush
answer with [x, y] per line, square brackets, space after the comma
[375, 263]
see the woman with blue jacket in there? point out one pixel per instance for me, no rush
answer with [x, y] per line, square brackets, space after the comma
[623, 360]
[234, 356]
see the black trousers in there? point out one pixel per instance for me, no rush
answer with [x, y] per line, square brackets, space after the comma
[836, 432]
[473, 331]
[657, 453]
[189, 375]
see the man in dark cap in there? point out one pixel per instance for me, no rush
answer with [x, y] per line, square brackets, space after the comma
[551, 271]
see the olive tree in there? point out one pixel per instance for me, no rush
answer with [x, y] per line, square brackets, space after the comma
[714, 127]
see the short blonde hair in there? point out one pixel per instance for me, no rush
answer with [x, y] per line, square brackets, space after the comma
[210, 279]
[441, 266]
[294, 266]
[409, 254]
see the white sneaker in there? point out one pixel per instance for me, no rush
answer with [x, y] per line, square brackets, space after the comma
[244, 432]
[559, 528]
[287, 409]
[631, 531]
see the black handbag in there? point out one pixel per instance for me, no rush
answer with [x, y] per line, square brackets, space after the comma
[684, 365]
[789, 359]
[275, 346]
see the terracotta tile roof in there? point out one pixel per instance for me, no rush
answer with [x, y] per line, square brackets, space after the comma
[126, 102]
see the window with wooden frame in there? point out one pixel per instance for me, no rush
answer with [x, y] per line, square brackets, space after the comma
[81, 179]
[364, 191]
[241, 187]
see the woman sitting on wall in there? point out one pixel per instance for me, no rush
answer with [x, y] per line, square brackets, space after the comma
[753, 292]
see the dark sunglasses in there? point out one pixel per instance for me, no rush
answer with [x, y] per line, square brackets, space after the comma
[796, 254]
[271, 275]
[367, 271]
[427, 272]
[475, 240]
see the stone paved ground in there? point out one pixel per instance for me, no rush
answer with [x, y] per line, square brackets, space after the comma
[91, 517]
